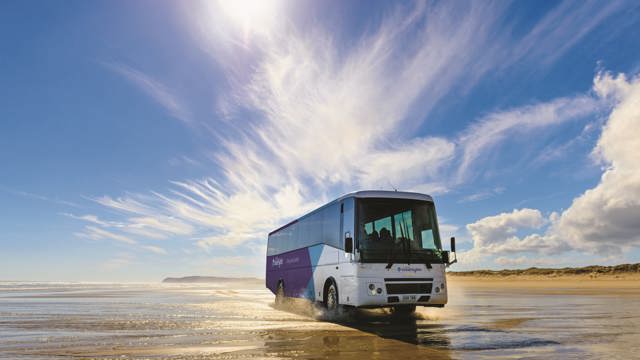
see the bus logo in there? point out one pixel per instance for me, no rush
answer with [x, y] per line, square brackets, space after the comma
[276, 262]
[408, 269]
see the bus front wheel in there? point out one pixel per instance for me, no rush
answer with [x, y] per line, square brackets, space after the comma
[331, 298]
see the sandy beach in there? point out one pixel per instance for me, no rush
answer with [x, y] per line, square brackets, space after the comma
[614, 285]
[573, 317]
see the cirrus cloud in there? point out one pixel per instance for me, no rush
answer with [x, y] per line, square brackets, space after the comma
[305, 120]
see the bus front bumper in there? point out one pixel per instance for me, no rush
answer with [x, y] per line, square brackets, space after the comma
[380, 293]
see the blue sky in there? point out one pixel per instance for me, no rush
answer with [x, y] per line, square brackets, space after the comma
[146, 139]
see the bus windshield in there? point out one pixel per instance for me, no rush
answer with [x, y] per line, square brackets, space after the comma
[398, 231]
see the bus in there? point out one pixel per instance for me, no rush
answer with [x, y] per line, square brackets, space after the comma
[366, 249]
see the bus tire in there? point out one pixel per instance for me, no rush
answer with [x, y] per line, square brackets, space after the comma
[280, 297]
[331, 298]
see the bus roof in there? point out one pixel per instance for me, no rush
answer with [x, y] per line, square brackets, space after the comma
[367, 194]
[387, 194]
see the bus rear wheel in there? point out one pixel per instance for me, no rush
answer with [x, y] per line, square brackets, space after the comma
[280, 298]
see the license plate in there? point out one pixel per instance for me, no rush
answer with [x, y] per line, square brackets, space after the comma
[408, 298]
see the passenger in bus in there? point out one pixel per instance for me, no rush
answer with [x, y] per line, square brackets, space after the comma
[374, 238]
[386, 239]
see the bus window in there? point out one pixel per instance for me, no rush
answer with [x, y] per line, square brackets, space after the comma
[388, 225]
[428, 242]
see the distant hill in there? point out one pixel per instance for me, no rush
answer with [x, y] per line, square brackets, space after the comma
[210, 279]
[622, 269]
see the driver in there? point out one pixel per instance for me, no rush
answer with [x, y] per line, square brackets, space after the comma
[385, 237]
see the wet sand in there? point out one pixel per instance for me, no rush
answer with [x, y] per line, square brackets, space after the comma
[485, 318]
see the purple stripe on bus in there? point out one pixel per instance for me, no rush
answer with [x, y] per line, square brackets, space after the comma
[294, 268]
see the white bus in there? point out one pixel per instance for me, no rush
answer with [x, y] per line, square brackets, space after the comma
[365, 249]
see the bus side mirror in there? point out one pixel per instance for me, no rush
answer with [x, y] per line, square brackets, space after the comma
[447, 258]
[348, 243]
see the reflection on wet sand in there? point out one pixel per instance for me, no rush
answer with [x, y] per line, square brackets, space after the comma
[378, 333]
[204, 321]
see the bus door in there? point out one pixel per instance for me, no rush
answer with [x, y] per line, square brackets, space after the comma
[347, 215]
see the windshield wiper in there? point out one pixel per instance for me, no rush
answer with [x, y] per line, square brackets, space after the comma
[391, 258]
[426, 262]
[406, 245]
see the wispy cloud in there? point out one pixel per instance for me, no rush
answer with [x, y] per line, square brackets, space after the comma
[147, 225]
[484, 135]
[324, 120]
[154, 249]
[184, 160]
[111, 230]
[559, 151]
[329, 122]
[201, 211]
[93, 219]
[40, 197]
[562, 28]
[154, 89]
[95, 233]
[483, 195]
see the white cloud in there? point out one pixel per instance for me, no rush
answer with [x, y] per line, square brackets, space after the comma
[149, 225]
[319, 120]
[125, 204]
[184, 161]
[493, 231]
[196, 210]
[91, 219]
[330, 121]
[96, 233]
[30, 195]
[154, 89]
[113, 231]
[408, 163]
[446, 229]
[479, 138]
[555, 151]
[154, 249]
[483, 195]
[562, 28]
[341, 118]
[157, 227]
[604, 219]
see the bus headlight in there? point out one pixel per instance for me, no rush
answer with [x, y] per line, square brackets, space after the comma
[374, 289]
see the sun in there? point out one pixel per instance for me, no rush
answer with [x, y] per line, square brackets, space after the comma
[252, 16]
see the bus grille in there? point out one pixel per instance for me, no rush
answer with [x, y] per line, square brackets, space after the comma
[419, 288]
